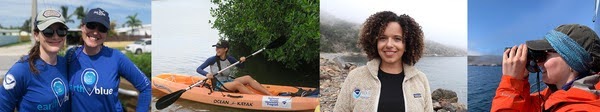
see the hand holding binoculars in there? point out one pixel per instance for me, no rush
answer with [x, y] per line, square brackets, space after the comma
[533, 57]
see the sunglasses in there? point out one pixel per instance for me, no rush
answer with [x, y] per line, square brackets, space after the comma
[95, 25]
[49, 32]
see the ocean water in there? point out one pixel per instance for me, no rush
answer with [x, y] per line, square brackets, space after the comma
[483, 82]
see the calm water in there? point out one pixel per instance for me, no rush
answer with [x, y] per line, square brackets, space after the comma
[183, 55]
[447, 73]
[182, 43]
[443, 72]
[483, 81]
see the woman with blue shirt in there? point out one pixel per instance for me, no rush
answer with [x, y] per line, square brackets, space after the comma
[222, 60]
[38, 81]
[95, 70]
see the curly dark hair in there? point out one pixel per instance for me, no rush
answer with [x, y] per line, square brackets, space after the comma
[374, 27]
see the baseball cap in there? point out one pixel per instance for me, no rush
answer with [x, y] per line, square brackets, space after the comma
[98, 15]
[583, 35]
[222, 44]
[48, 17]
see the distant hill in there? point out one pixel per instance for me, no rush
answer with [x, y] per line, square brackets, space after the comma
[485, 60]
[339, 35]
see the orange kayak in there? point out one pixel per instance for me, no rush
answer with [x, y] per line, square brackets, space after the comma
[169, 83]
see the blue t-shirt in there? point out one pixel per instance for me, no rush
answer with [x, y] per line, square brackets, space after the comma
[94, 80]
[212, 62]
[26, 91]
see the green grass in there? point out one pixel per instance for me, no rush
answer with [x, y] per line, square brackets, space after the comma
[142, 61]
[119, 48]
[15, 44]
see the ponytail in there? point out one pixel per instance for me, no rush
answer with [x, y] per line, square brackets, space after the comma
[34, 54]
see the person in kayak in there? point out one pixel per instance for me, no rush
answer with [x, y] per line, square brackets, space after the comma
[222, 60]
[38, 81]
[389, 81]
[95, 70]
[569, 61]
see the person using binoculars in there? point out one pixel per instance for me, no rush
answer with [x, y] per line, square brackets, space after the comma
[569, 59]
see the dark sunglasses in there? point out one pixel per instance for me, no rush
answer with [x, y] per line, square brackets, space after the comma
[95, 25]
[49, 32]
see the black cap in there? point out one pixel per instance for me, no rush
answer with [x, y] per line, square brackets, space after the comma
[222, 44]
[97, 15]
[583, 35]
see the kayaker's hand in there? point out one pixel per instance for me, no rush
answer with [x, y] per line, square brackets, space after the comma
[209, 75]
[242, 59]
[514, 61]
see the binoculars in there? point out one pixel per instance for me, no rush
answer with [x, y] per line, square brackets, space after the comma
[533, 57]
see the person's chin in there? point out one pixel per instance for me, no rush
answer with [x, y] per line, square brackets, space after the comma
[92, 43]
[52, 49]
[390, 60]
[546, 80]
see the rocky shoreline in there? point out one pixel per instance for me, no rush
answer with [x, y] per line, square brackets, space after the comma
[333, 73]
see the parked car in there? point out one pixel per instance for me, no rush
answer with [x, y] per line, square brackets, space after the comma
[143, 45]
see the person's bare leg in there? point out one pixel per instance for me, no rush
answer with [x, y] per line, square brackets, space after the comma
[247, 80]
[233, 86]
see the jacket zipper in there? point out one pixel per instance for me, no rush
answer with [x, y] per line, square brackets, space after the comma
[404, 92]
[378, 95]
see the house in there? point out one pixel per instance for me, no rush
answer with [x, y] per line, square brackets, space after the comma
[144, 30]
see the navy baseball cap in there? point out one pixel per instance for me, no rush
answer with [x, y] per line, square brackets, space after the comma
[222, 44]
[97, 15]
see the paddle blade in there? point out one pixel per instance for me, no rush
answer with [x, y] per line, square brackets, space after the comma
[169, 99]
[278, 42]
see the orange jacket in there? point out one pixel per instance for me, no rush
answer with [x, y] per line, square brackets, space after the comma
[513, 95]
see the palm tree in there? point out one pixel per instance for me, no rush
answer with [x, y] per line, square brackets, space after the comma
[64, 11]
[80, 13]
[133, 21]
[112, 32]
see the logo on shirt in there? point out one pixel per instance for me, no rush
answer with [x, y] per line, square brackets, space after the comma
[59, 89]
[9, 82]
[417, 95]
[356, 93]
[89, 80]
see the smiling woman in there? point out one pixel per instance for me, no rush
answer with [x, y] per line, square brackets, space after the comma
[94, 69]
[389, 81]
[41, 72]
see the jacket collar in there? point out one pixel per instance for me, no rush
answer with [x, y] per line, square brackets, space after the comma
[583, 90]
[373, 67]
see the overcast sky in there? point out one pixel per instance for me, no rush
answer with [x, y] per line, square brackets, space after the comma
[443, 21]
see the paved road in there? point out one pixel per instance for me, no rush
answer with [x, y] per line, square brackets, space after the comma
[10, 55]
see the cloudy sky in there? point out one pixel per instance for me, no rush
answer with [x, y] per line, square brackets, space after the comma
[443, 21]
[15, 12]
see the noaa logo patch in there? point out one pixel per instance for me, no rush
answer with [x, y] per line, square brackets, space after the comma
[9, 82]
[89, 79]
[356, 93]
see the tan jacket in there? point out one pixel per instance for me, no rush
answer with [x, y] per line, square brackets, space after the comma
[360, 90]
